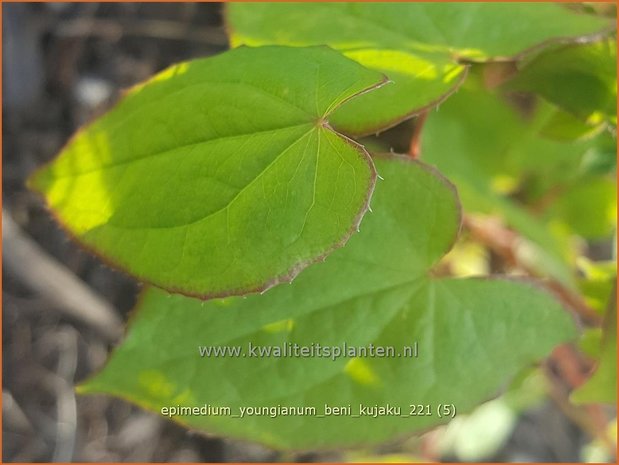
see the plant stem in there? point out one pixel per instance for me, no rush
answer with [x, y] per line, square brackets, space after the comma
[414, 149]
[504, 241]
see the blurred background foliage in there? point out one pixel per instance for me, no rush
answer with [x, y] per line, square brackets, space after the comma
[530, 145]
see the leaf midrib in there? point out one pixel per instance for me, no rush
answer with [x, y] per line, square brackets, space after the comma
[149, 156]
[230, 202]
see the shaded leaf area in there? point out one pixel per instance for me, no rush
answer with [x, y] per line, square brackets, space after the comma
[602, 386]
[564, 126]
[420, 46]
[473, 335]
[574, 207]
[503, 165]
[219, 176]
[581, 79]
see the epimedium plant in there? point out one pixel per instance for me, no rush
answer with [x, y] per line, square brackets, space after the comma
[280, 183]
[221, 178]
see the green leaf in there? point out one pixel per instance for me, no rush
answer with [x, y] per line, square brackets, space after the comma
[420, 46]
[502, 166]
[582, 79]
[472, 334]
[219, 176]
[564, 126]
[574, 207]
[602, 386]
[596, 281]
[418, 81]
[601, 159]
[590, 342]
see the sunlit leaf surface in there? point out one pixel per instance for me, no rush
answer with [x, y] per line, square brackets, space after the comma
[421, 46]
[219, 176]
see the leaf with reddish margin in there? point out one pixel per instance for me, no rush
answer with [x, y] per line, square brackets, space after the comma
[472, 334]
[422, 47]
[219, 176]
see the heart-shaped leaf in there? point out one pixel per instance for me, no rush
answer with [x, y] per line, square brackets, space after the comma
[421, 46]
[472, 335]
[219, 176]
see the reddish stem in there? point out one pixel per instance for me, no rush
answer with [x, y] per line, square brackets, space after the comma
[503, 241]
[414, 149]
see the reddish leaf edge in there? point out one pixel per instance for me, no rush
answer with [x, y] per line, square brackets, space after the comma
[563, 40]
[256, 288]
[82, 388]
[598, 36]
[468, 62]
[534, 283]
[375, 130]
